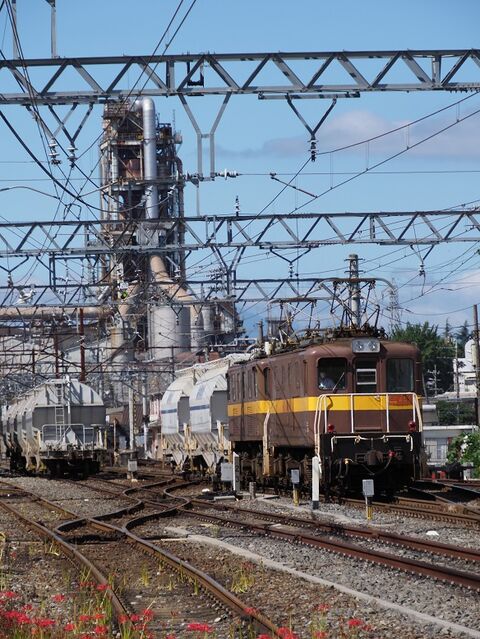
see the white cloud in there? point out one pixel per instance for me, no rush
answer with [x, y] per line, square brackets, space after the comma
[460, 141]
[452, 300]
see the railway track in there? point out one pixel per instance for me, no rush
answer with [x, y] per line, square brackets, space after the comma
[447, 506]
[356, 532]
[447, 492]
[419, 509]
[103, 543]
[10, 499]
[333, 538]
[269, 590]
[337, 538]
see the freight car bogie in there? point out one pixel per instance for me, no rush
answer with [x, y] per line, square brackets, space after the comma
[72, 466]
[272, 470]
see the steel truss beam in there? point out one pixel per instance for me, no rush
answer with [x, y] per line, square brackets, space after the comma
[304, 74]
[69, 297]
[79, 239]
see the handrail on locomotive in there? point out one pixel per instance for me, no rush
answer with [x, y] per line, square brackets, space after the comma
[325, 402]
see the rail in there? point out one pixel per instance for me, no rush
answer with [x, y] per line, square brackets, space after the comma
[384, 401]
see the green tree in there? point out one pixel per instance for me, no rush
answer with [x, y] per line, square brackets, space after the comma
[448, 329]
[437, 352]
[466, 448]
[463, 335]
[447, 413]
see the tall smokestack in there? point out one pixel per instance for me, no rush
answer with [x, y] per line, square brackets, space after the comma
[149, 157]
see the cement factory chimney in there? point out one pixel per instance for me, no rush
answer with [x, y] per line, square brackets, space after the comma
[169, 324]
[149, 156]
[142, 181]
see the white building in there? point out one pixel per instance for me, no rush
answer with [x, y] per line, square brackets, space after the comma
[436, 438]
[464, 371]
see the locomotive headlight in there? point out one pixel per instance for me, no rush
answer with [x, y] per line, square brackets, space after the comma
[366, 345]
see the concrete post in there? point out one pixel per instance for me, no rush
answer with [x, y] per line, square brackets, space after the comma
[315, 482]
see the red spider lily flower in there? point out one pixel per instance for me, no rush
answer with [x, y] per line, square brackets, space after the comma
[8, 594]
[123, 619]
[200, 627]
[23, 619]
[368, 628]
[135, 618]
[100, 630]
[148, 613]
[83, 618]
[98, 616]
[87, 584]
[58, 598]
[251, 611]
[13, 615]
[355, 623]
[69, 627]
[103, 587]
[286, 633]
[9, 614]
[322, 608]
[45, 623]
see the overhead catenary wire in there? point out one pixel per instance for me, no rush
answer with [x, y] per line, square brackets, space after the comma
[358, 174]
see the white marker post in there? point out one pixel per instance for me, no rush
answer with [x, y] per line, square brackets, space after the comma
[236, 472]
[368, 490]
[315, 482]
[295, 475]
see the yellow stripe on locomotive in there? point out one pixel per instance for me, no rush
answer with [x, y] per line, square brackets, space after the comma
[310, 404]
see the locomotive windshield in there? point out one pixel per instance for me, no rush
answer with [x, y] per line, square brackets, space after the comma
[400, 375]
[332, 373]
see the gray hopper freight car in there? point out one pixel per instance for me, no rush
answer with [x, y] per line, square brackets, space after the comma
[58, 426]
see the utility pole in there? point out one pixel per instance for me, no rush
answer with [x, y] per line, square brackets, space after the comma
[355, 299]
[131, 413]
[56, 350]
[457, 386]
[145, 412]
[477, 361]
[81, 331]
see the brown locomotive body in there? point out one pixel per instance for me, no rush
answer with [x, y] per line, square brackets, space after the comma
[353, 401]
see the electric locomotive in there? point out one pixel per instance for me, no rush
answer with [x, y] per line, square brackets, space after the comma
[350, 398]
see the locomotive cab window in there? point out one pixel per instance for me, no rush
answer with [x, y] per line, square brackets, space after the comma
[366, 376]
[332, 373]
[400, 375]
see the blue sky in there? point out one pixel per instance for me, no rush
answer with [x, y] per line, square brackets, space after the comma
[258, 137]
